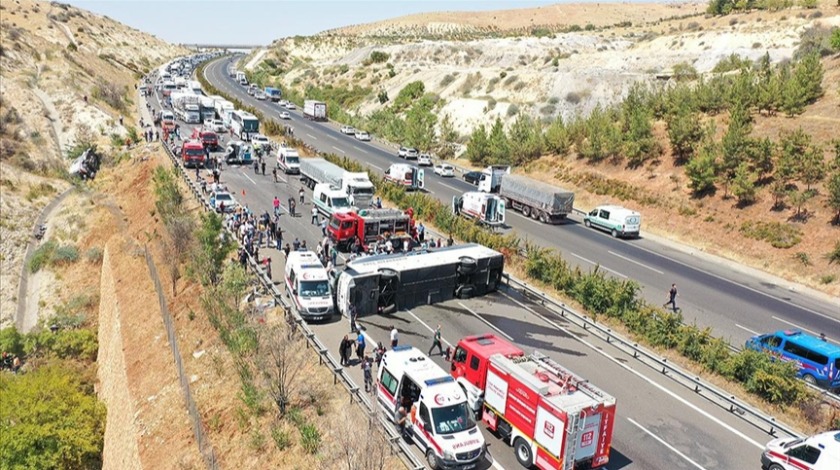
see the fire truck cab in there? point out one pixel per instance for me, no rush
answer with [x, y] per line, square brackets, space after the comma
[440, 420]
[370, 226]
[193, 154]
[552, 417]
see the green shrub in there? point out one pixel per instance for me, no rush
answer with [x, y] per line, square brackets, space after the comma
[40, 190]
[65, 254]
[11, 341]
[447, 79]
[281, 438]
[310, 438]
[65, 344]
[779, 235]
[378, 57]
[42, 256]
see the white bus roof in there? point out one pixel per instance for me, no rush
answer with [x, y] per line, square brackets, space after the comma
[416, 259]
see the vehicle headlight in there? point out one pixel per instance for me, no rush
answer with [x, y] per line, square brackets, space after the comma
[448, 455]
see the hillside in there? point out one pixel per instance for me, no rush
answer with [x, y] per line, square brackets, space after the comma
[68, 76]
[383, 77]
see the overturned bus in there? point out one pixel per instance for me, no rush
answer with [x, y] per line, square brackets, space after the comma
[387, 283]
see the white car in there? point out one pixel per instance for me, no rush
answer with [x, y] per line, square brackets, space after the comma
[259, 140]
[222, 197]
[445, 170]
[252, 90]
[408, 153]
[290, 105]
[362, 135]
[285, 115]
[260, 95]
[348, 130]
[424, 160]
[283, 103]
[215, 125]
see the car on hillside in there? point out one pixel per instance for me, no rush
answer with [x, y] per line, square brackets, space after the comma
[223, 201]
[290, 105]
[363, 136]
[424, 160]
[348, 130]
[409, 153]
[444, 169]
[285, 115]
[472, 177]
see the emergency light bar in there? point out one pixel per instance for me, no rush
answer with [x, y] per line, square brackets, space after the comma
[441, 380]
[402, 348]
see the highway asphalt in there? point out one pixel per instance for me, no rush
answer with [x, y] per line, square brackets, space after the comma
[660, 425]
[732, 300]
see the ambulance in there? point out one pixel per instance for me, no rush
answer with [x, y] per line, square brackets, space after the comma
[308, 285]
[441, 422]
[820, 452]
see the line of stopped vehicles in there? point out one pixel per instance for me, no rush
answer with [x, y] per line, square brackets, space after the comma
[552, 417]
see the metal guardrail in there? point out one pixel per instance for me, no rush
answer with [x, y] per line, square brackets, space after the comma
[397, 444]
[725, 400]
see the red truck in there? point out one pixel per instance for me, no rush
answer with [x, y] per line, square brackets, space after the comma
[208, 138]
[552, 417]
[371, 226]
[192, 154]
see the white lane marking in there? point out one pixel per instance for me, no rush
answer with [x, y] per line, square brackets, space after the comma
[249, 178]
[359, 149]
[669, 446]
[744, 286]
[450, 187]
[371, 164]
[639, 374]
[428, 327]
[498, 330]
[599, 265]
[338, 149]
[332, 136]
[800, 327]
[746, 329]
[312, 137]
[635, 262]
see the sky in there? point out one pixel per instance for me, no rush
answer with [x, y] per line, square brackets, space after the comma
[258, 22]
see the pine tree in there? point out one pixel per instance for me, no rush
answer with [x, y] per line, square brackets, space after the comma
[760, 154]
[743, 184]
[478, 147]
[525, 140]
[685, 132]
[498, 146]
[639, 142]
[557, 138]
[735, 144]
[420, 124]
[447, 136]
[700, 169]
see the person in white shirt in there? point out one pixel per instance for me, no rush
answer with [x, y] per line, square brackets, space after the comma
[405, 245]
[389, 247]
[394, 337]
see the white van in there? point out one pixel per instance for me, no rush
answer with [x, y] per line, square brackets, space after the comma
[288, 160]
[308, 285]
[820, 452]
[617, 220]
[329, 199]
[440, 420]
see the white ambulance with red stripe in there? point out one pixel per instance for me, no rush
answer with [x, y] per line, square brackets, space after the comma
[553, 418]
[820, 452]
[308, 285]
[487, 209]
[441, 422]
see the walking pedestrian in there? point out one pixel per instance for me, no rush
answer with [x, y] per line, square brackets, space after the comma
[286, 250]
[276, 204]
[274, 172]
[351, 312]
[300, 193]
[672, 298]
[292, 207]
[394, 337]
[367, 371]
[360, 345]
[256, 167]
[324, 226]
[314, 215]
[263, 167]
[333, 255]
[436, 342]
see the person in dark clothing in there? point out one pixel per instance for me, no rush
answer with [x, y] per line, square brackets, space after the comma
[672, 298]
[436, 342]
[286, 250]
[263, 167]
[344, 350]
[296, 244]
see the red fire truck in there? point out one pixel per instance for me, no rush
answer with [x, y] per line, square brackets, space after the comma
[552, 417]
[192, 154]
[371, 226]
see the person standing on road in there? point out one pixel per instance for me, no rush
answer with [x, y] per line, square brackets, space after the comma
[351, 312]
[421, 232]
[314, 215]
[333, 256]
[324, 226]
[292, 206]
[276, 204]
[360, 348]
[274, 172]
[300, 192]
[263, 167]
[394, 337]
[344, 350]
[672, 298]
[436, 342]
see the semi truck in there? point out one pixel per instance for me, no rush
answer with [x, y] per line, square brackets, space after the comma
[438, 417]
[541, 201]
[356, 185]
[274, 94]
[387, 283]
[223, 110]
[315, 110]
[187, 107]
[408, 176]
[208, 108]
[552, 417]
[491, 178]
[487, 209]
[370, 226]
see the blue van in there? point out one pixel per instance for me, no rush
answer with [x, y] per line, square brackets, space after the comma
[818, 360]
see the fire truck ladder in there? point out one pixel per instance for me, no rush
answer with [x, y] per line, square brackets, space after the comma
[568, 377]
[571, 440]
